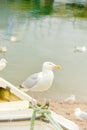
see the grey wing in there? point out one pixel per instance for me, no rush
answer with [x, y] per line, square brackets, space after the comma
[30, 81]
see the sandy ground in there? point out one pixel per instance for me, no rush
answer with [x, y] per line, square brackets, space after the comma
[67, 110]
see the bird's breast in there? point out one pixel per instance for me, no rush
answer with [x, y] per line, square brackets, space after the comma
[45, 81]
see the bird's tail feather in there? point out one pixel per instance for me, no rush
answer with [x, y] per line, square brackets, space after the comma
[22, 88]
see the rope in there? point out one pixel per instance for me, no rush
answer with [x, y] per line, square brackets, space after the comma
[45, 113]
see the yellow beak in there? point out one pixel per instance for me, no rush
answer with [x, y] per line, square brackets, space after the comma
[58, 67]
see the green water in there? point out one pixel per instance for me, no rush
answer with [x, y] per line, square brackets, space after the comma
[45, 31]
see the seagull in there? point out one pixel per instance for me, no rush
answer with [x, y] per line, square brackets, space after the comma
[41, 81]
[13, 39]
[3, 63]
[81, 115]
[3, 49]
[70, 99]
[80, 49]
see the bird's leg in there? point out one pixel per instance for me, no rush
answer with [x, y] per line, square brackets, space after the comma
[33, 100]
[46, 102]
[41, 99]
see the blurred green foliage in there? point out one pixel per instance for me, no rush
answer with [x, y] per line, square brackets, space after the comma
[46, 7]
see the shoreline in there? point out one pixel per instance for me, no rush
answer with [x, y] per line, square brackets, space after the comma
[67, 110]
[64, 109]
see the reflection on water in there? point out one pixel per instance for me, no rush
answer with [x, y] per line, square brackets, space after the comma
[35, 31]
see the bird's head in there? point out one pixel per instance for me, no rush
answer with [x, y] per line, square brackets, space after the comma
[50, 66]
[73, 96]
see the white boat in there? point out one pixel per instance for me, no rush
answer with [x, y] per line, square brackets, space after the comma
[15, 113]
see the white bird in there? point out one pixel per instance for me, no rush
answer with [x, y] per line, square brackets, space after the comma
[43, 80]
[3, 48]
[81, 115]
[13, 38]
[70, 99]
[80, 49]
[3, 63]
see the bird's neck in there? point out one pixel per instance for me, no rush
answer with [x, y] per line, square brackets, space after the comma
[46, 70]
